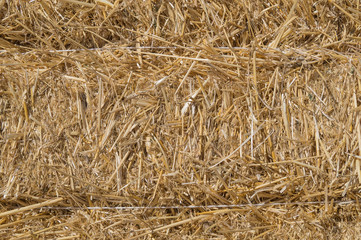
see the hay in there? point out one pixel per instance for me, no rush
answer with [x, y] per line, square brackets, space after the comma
[180, 119]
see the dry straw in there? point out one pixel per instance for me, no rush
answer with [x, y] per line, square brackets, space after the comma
[180, 119]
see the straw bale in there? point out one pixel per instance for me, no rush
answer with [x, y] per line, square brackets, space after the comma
[180, 119]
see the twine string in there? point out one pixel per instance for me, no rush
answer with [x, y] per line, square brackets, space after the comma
[195, 207]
